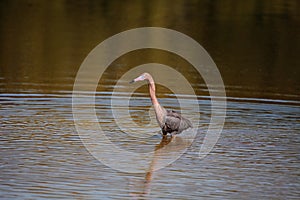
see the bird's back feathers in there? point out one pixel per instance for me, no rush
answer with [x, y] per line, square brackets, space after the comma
[175, 123]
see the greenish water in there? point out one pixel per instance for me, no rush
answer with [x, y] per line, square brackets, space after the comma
[255, 45]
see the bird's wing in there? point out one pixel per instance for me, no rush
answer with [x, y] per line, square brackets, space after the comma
[176, 122]
[172, 121]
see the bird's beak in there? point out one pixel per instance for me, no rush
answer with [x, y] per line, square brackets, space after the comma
[140, 78]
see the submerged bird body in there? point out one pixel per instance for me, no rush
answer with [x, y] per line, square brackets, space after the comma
[168, 120]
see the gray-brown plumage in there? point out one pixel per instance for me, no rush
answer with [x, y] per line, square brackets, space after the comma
[169, 121]
[175, 123]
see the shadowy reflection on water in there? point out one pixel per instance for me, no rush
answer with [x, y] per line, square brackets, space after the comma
[42, 156]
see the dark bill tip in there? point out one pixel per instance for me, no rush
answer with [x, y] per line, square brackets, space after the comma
[131, 81]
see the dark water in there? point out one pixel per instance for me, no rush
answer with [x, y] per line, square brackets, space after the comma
[255, 45]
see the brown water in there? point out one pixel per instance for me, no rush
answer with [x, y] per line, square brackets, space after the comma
[255, 45]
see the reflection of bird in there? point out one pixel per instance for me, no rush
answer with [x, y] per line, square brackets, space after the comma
[146, 184]
[169, 121]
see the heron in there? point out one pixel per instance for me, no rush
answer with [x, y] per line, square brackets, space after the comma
[169, 121]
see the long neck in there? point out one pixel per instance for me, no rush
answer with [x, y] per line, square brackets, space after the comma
[152, 91]
[160, 112]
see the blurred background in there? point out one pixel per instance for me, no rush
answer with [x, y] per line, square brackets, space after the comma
[255, 45]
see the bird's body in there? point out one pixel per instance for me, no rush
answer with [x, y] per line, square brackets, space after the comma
[175, 123]
[168, 120]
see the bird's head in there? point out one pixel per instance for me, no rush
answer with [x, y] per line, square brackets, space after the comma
[142, 77]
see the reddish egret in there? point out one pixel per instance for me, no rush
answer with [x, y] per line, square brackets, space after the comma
[168, 120]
